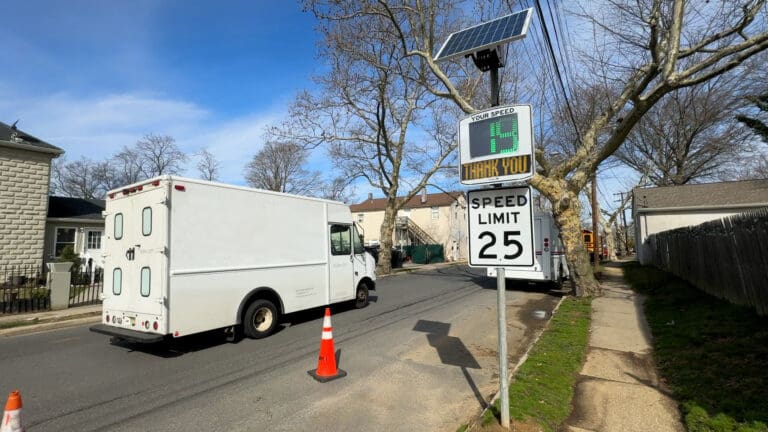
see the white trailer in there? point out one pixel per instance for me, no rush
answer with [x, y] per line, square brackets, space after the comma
[549, 264]
[183, 256]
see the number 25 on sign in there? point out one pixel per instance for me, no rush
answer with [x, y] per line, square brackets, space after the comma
[500, 227]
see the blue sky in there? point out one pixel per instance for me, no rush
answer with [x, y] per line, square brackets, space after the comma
[92, 76]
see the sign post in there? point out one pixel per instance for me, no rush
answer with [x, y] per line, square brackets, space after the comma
[495, 146]
[501, 235]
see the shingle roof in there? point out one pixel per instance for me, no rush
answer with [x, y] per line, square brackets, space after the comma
[10, 136]
[75, 208]
[432, 200]
[737, 193]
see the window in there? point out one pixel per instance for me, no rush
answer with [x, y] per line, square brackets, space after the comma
[357, 242]
[117, 281]
[435, 212]
[360, 217]
[145, 273]
[341, 241]
[146, 221]
[94, 240]
[64, 237]
[118, 226]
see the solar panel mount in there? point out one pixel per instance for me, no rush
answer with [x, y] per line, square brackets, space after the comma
[486, 35]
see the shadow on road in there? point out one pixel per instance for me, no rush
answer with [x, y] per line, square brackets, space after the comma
[176, 347]
[452, 351]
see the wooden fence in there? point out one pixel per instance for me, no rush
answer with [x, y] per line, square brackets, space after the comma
[727, 258]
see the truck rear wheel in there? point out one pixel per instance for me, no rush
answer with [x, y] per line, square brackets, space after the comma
[260, 319]
[361, 298]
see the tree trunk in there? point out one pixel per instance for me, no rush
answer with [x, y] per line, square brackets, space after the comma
[384, 265]
[567, 219]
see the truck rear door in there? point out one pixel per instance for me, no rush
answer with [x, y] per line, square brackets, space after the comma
[137, 256]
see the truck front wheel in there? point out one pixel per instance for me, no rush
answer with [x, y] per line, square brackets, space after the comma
[260, 319]
[361, 298]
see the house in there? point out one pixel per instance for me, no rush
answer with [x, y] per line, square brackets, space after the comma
[664, 208]
[25, 170]
[439, 218]
[75, 222]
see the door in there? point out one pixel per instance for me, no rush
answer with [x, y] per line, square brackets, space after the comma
[538, 244]
[136, 258]
[341, 265]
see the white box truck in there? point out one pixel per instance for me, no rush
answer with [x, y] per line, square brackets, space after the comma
[183, 256]
[549, 264]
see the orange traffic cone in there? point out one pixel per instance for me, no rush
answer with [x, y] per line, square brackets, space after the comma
[326, 364]
[12, 418]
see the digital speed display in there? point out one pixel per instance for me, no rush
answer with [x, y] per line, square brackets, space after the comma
[496, 146]
[495, 136]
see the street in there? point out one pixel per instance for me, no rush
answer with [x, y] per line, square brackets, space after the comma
[421, 356]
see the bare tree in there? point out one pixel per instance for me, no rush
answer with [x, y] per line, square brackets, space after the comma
[126, 168]
[378, 120]
[280, 167]
[338, 189]
[690, 135]
[78, 179]
[754, 122]
[643, 51]
[159, 155]
[208, 166]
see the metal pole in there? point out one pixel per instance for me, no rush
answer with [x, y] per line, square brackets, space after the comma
[501, 290]
[626, 234]
[494, 86]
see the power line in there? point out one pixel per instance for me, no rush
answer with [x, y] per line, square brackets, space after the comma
[557, 69]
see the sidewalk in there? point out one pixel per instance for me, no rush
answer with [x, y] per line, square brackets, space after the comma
[48, 320]
[618, 388]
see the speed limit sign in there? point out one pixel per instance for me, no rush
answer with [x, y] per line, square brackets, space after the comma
[500, 227]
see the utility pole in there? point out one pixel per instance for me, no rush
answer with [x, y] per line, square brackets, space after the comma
[595, 225]
[624, 222]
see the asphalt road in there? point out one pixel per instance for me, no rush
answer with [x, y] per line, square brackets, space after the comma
[422, 356]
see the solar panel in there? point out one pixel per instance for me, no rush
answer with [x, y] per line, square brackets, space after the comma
[486, 35]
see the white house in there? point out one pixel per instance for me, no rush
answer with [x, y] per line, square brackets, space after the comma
[660, 209]
[75, 222]
[438, 218]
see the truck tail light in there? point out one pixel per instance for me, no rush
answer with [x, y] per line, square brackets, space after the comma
[154, 325]
[180, 188]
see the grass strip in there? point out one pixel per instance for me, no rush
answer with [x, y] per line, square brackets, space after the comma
[542, 389]
[14, 324]
[711, 353]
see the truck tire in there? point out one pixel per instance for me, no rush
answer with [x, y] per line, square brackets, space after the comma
[361, 297]
[260, 319]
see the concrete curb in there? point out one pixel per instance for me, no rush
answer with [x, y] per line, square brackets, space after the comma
[472, 425]
[56, 323]
[417, 267]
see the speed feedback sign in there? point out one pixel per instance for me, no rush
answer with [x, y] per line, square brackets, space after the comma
[500, 227]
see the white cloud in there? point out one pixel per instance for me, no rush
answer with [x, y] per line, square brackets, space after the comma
[99, 127]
